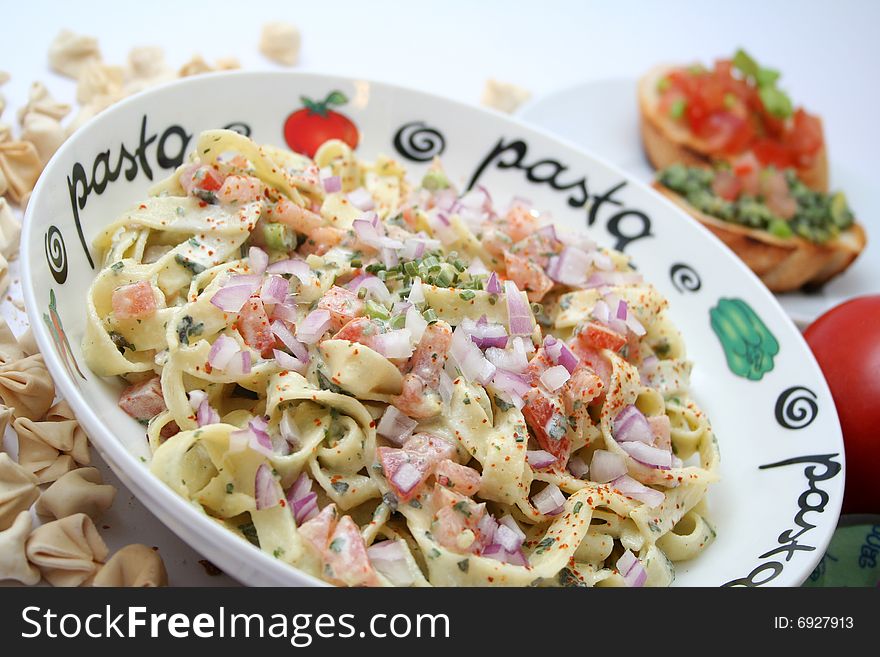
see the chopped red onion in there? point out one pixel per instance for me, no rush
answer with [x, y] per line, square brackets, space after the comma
[258, 259]
[577, 467]
[287, 362]
[232, 298]
[245, 362]
[274, 289]
[406, 478]
[517, 558]
[206, 414]
[285, 312]
[485, 335]
[332, 184]
[549, 501]
[601, 311]
[539, 459]
[629, 487]
[570, 267]
[259, 440]
[393, 344]
[294, 266]
[395, 426]
[630, 424]
[648, 366]
[507, 538]
[222, 351]
[511, 383]
[493, 286]
[470, 359]
[313, 326]
[416, 292]
[486, 529]
[284, 334]
[289, 430]
[632, 570]
[606, 466]
[510, 523]
[302, 501]
[415, 324]
[266, 490]
[520, 320]
[196, 397]
[560, 353]
[445, 387]
[361, 199]
[508, 359]
[389, 558]
[375, 288]
[555, 377]
[648, 455]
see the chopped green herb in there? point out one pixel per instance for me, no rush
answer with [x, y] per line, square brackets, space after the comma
[464, 565]
[462, 507]
[229, 488]
[340, 487]
[194, 267]
[187, 329]
[544, 545]
[250, 533]
[676, 110]
[578, 507]
[467, 295]
[337, 544]
[502, 405]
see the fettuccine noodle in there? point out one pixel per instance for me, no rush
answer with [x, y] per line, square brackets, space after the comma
[388, 383]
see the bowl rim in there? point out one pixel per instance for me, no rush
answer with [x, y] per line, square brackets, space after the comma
[173, 510]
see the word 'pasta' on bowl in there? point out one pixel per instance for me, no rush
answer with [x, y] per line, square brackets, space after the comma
[405, 341]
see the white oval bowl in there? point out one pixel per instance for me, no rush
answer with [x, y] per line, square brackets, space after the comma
[773, 522]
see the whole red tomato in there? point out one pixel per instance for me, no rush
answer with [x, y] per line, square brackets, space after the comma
[846, 342]
[307, 128]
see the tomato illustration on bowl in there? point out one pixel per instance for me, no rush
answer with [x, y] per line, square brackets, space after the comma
[309, 127]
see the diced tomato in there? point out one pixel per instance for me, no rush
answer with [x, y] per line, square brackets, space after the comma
[806, 137]
[520, 222]
[545, 416]
[343, 305]
[528, 276]
[253, 324]
[456, 520]
[360, 329]
[597, 362]
[537, 248]
[133, 301]
[143, 401]
[598, 336]
[771, 152]
[317, 530]
[429, 356]
[321, 240]
[204, 178]
[422, 451]
[345, 556]
[459, 478]
[579, 392]
[238, 189]
[727, 185]
[660, 428]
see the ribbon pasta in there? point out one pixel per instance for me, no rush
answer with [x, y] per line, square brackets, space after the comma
[349, 371]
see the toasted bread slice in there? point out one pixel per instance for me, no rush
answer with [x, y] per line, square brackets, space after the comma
[667, 141]
[784, 264]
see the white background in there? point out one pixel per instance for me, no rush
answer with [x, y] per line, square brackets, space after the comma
[828, 53]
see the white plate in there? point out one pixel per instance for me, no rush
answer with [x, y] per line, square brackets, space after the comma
[782, 451]
[603, 118]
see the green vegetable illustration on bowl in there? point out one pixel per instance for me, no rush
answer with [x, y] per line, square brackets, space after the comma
[748, 344]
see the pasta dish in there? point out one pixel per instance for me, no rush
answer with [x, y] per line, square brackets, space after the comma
[389, 382]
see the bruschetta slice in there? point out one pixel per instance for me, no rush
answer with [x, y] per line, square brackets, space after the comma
[695, 115]
[789, 235]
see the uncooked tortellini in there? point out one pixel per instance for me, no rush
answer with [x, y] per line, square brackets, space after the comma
[68, 552]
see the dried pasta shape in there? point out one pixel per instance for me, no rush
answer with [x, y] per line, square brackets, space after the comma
[135, 565]
[69, 52]
[79, 491]
[27, 387]
[13, 559]
[18, 490]
[10, 350]
[42, 102]
[44, 132]
[28, 343]
[42, 444]
[280, 42]
[10, 229]
[20, 166]
[69, 551]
